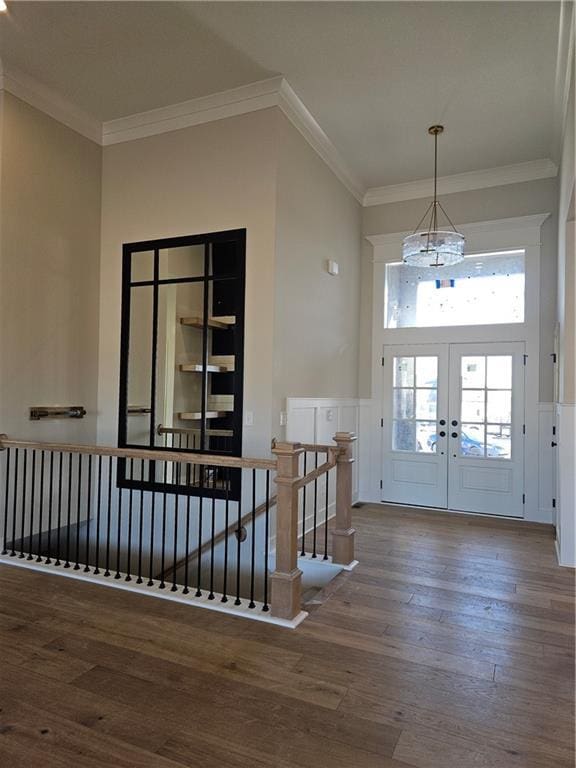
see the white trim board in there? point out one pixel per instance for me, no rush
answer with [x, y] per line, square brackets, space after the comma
[263, 94]
[462, 182]
[242, 611]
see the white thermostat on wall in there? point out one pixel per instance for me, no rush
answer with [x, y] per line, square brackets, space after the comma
[332, 267]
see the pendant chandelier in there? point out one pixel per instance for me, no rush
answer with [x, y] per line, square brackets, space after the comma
[433, 247]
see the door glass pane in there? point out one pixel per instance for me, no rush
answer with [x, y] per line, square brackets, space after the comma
[499, 372]
[473, 405]
[499, 441]
[499, 406]
[473, 372]
[426, 437]
[403, 436]
[426, 403]
[403, 403]
[472, 440]
[427, 372]
[403, 371]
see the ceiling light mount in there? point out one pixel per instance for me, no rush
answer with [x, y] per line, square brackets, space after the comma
[433, 247]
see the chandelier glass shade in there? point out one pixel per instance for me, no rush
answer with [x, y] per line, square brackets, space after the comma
[434, 247]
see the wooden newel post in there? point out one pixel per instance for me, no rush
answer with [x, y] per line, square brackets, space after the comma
[343, 534]
[286, 580]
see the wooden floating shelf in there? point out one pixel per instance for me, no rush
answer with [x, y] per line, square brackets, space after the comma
[217, 323]
[197, 415]
[199, 368]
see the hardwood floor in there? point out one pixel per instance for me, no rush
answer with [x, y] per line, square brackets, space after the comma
[450, 646]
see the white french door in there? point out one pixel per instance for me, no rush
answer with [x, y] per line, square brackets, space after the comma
[453, 427]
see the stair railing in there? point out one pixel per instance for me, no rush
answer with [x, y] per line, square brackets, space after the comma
[63, 511]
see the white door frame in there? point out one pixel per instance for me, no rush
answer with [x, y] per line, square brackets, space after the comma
[504, 234]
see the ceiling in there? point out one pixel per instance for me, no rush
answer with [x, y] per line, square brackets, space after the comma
[374, 74]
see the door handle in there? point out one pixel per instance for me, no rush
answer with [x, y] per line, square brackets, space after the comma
[454, 434]
[553, 444]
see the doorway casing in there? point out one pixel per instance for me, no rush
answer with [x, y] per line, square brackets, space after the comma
[486, 236]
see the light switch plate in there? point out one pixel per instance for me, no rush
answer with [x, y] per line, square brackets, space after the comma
[248, 418]
[283, 418]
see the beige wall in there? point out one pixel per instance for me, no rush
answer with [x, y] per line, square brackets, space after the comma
[49, 272]
[465, 207]
[211, 177]
[316, 320]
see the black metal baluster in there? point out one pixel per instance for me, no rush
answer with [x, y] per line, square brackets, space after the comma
[226, 537]
[175, 549]
[15, 503]
[315, 506]
[304, 490]
[326, 519]
[32, 501]
[107, 570]
[69, 516]
[88, 515]
[150, 582]
[238, 549]
[251, 604]
[130, 502]
[6, 500]
[162, 585]
[199, 569]
[50, 505]
[118, 575]
[98, 516]
[41, 507]
[212, 547]
[78, 505]
[141, 527]
[265, 607]
[59, 517]
[24, 478]
[187, 554]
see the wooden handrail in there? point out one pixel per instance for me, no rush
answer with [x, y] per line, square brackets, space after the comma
[184, 457]
[316, 473]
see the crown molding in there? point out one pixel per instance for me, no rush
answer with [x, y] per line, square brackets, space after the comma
[295, 110]
[205, 109]
[462, 182]
[564, 73]
[274, 92]
[50, 102]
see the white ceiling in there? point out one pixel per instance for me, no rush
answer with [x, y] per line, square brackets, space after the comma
[374, 74]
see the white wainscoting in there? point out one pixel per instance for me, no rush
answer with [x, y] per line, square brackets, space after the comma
[566, 484]
[317, 419]
[546, 463]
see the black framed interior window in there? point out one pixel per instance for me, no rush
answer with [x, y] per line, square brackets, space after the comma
[182, 353]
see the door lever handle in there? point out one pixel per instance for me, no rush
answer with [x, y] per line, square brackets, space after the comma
[553, 444]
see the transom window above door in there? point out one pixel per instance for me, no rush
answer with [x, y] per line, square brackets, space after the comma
[484, 289]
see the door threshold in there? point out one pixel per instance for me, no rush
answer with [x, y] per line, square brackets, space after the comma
[450, 511]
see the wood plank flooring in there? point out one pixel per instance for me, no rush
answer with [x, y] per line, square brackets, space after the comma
[450, 646]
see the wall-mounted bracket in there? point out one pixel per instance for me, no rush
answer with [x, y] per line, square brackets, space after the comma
[37, 413]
